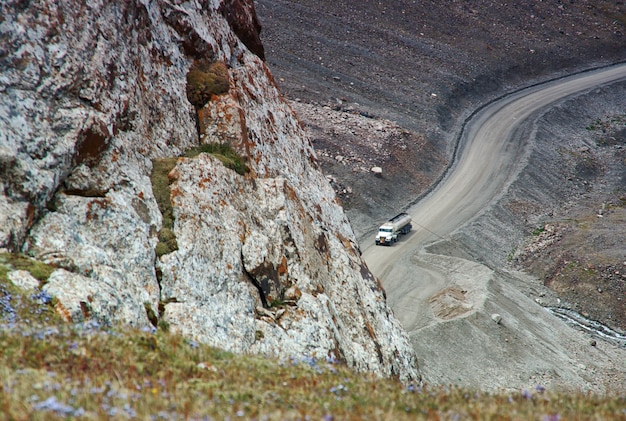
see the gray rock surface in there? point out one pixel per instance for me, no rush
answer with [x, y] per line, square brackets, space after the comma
[266, 261]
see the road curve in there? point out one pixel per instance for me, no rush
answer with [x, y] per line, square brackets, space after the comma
[491, 153]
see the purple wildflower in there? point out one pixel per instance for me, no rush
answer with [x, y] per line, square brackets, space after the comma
[310, 361]
[51, 404]
[42, 297]
[149, 329]
[6, 309]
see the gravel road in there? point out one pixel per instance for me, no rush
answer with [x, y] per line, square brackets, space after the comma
[490, 156]
[428, 292]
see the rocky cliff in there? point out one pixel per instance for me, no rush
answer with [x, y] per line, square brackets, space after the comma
[146, 153]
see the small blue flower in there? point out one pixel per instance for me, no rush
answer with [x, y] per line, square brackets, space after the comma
[539, 388]
[6, 309]
[310, 361]
[149, 329]
[51, 404]
[42, 297]
[526, 394]
[130, 412]
[96, 390]
[338, 389]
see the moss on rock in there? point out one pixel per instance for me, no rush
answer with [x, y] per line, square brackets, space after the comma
[205, 80]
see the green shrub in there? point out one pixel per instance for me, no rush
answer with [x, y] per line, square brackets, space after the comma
[538, 231]
[162, 249]
[161, 188]
[166, 234]
[205, 80]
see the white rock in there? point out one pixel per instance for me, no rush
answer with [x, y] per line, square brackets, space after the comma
[23, 279]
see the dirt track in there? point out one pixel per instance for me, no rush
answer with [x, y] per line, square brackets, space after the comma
[428, 291]
[491, 154]
[426, 69]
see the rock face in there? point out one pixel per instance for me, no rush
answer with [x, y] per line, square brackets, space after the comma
[92, 95]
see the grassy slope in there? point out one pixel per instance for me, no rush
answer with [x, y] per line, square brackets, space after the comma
[50, 369]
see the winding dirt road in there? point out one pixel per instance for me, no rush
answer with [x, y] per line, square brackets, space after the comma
[492, 151]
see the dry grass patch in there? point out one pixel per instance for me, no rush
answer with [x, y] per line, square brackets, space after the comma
[87, 371]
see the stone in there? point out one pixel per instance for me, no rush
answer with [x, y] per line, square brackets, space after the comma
[23, 279]
[83, 118]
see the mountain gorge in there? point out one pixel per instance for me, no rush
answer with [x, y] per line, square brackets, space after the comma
[186, 166]
[390, 85]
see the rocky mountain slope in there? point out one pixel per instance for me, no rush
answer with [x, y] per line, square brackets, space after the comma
[147, 154]
[390, 84]
[424, 66]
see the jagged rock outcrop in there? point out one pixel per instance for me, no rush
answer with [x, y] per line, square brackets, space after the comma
[264, 260]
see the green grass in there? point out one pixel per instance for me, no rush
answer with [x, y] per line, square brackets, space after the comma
[161, 188]
[38, 270]
[224, 152]
[538, 231]
[36, 307]
[607, 130]
[51, 370]
[607, 123]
